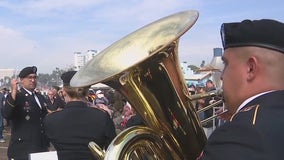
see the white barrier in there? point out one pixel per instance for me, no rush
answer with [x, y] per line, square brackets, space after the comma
[52, 155]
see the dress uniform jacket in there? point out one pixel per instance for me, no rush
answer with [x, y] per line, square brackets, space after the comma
[71, 129]
[27, 132]
[256, 132]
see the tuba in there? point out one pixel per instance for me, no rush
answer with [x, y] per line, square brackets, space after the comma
[145, 68]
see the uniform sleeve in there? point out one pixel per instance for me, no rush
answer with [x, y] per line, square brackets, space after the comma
[235, 142]
[110, 130]
[9, 107]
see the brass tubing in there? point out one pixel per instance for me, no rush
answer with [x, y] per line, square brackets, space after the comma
[210, 106]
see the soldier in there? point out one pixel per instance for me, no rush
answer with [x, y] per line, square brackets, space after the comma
[253, 93]
[81, 124]
[26, 110]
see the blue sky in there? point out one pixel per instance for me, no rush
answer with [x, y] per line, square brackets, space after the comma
[46, 33]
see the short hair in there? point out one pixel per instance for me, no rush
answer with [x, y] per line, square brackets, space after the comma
[76, 92]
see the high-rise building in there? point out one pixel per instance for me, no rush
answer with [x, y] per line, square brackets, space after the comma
[91, 54]
[79, 60]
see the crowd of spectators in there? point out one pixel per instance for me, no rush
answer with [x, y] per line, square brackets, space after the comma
[200, 88]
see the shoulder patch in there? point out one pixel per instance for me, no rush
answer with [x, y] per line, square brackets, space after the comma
[253, 108]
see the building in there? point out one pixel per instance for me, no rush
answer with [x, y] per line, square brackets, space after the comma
[81, 59]
[6, 75]
[90, 54]
[211, 71]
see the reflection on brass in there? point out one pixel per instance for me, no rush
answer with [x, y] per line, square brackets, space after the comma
[145, 68]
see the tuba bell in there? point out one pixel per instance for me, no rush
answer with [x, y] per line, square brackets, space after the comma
[145, 68]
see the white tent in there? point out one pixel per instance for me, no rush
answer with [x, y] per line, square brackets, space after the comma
[100, 85]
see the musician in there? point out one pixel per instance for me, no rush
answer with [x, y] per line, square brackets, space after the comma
[26, 110]
[71, 129]
[253, 93]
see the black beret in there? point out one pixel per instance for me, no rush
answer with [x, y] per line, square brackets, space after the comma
[67, 76]
[264, 33]
[27, 70]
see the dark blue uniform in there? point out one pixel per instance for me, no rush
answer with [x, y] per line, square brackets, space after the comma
[256, 132]
[71, 129]
[27, 132]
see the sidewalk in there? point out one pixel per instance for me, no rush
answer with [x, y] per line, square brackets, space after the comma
[4, 146]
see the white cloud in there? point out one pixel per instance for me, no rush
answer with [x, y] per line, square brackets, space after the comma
[47, 32]
[15, 48]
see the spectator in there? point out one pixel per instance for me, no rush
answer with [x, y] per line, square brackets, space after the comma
[208, 126]
[134, 119]
[127, 113]
[200, 103]
[60, 94]
[192, 89]
[59, 101]
[100, 98]
[3, 95]
[53, 103]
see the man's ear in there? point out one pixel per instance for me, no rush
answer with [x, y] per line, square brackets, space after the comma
[251, 68]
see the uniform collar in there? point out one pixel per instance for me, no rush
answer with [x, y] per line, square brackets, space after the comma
[76, 104]
[250, 99]
[29, 92]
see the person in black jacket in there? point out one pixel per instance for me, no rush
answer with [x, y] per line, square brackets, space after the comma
[26, 110]
[54, 102]
[253, 93]
[71, 129]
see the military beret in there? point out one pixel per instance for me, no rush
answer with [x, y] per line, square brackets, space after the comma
[264, 33]
[27, 70]
[67, 76]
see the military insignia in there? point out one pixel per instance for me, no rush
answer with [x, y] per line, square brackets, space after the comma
[27, 117]
[34, 69]
[247, 108]
[27, 106]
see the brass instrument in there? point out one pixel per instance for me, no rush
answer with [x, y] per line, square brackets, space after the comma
[218, 103]
[144, 67]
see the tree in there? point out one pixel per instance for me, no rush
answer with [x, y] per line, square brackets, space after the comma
[49, 80]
